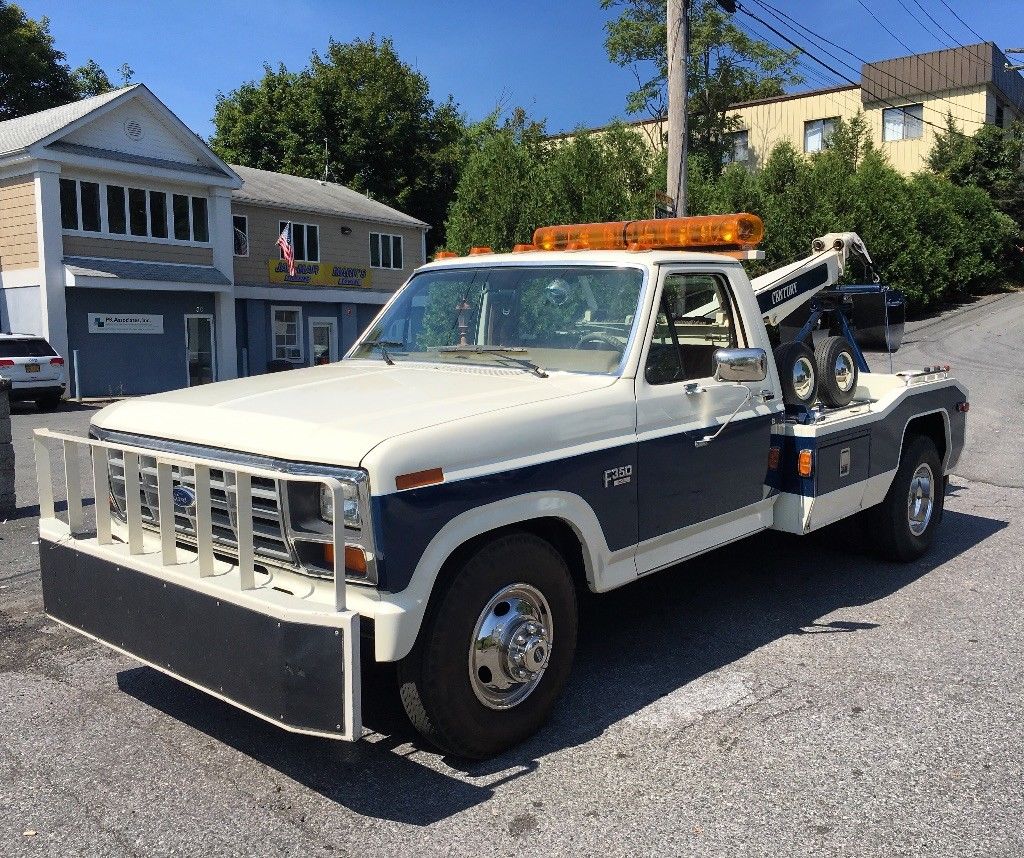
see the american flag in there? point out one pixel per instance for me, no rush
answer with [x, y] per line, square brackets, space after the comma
[284, 241]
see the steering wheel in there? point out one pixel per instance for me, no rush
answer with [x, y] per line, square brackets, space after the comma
[596, 339]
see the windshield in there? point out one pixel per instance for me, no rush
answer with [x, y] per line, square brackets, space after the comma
[572, 317]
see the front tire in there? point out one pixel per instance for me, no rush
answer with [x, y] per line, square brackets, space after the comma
[903, 524]
[494, 653]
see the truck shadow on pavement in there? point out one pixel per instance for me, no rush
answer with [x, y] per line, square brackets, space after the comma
[636, 646]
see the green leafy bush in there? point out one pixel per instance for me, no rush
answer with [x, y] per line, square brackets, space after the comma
[932, 238]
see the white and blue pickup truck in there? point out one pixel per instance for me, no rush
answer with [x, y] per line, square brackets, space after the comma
[511, 430]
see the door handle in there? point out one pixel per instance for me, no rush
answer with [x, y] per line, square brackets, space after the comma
[694, 388]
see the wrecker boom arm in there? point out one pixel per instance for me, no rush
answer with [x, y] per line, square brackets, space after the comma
[783, 290]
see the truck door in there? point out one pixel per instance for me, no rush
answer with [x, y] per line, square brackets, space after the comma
[682, 486]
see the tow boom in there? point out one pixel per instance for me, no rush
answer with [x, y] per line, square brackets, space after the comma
[783, 290]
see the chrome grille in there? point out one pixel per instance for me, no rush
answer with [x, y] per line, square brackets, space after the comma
[269, 540]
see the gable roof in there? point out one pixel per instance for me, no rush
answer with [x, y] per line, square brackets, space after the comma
[22, 132]
[280, 190]
[41, 131]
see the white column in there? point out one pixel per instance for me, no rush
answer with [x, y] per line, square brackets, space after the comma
[53, 309]
[223, 239]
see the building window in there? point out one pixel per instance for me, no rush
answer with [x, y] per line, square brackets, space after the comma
[117, 221]
[1000, 115]
[200, 220]
[903, 123]
[305, 240]
[138, 221]
[181, 221]
[158, 214]
[241, 232]
[69, 203]
[817, 132]
[137, 211]
[736, 151]
[287, 338]
[385, 250]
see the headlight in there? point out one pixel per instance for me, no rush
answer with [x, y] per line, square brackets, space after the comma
[353, 518]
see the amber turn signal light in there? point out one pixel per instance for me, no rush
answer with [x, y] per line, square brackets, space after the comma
[355, 558]
[805, 463]
[417, 479]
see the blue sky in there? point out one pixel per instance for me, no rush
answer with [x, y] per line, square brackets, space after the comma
[545, 56]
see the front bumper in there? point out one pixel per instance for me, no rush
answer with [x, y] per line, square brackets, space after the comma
[217, 623]
[289, 672]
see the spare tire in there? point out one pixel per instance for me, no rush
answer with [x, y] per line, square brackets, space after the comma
[837, 371]
[797, 373]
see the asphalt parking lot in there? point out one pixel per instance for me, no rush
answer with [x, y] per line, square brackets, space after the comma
[780, 696]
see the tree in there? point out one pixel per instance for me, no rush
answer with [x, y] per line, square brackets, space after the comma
[91, 80]
[725, 66]
[502, 194]
[33, 74]
[357, 115]
[991, 159]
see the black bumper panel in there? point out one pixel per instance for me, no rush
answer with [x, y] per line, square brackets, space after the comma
[287, 672]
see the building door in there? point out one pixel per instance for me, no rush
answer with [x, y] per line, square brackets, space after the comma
[200, 355]
[323, 340]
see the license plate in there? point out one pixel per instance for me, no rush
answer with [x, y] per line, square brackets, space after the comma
[31, 367]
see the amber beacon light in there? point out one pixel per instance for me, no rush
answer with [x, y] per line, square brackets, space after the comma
[709, 232]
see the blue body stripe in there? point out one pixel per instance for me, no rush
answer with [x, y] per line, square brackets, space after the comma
[674, 484]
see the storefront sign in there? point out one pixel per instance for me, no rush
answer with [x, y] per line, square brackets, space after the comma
[319, 274]
[125, 323]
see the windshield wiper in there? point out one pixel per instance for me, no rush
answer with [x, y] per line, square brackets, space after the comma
[536, 369]
[384, 345]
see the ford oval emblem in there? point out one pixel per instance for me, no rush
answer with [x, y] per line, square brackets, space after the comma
[184, 498]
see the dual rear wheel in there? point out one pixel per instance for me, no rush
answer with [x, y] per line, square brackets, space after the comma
[829, 373]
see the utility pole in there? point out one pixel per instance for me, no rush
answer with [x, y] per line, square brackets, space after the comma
[677, 132]
[1009, 67]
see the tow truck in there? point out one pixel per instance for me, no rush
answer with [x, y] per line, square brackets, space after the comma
[512, 429]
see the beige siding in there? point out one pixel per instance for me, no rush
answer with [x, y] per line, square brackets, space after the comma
[350, 250]
[114, 248]
[908, 156]
[769, 123]
[19, 246]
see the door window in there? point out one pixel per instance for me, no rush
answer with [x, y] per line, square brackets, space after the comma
[199, 348]
[324, 341]
[695, 319]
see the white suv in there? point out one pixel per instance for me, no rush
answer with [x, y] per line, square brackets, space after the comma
[34, 369]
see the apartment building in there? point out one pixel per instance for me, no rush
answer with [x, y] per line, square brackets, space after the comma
[905, 102]
[152, 264]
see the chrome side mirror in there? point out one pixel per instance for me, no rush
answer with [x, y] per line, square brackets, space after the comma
[741, 365]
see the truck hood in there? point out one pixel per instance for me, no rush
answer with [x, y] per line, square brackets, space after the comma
[333, 414]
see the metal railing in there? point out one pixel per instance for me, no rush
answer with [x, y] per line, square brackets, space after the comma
[169, 552]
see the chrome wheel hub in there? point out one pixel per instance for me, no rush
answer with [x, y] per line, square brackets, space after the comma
[844, 371]
[921, 500]
[803, 378]
[511, 646]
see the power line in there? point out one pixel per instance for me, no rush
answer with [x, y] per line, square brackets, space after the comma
[966, 26]
[922, 24]
[796, 26]
[825, 65]
[949, 35]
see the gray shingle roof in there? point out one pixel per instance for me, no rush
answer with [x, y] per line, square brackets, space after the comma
[280, 190]
[20, 133]
[87, 267]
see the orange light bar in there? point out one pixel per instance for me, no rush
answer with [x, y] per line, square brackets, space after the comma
[733, 231]
[805, 463]
[524, 248]
[477, 251]
[415, 480]
[445, 254]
